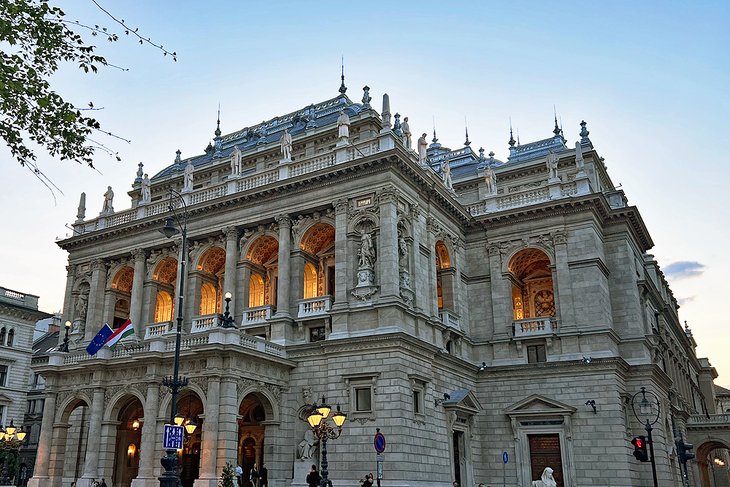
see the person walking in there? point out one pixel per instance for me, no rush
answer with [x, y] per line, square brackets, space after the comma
[264, 476]
[239, 476]
[313, 477]
[255, 476]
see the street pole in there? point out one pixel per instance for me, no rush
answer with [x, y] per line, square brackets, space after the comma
[651, 451]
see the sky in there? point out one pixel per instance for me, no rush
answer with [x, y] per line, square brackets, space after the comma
[650, 78]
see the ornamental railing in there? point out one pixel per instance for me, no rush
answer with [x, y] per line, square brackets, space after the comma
[158, 329]
[204, 323]
[449, 319]
[534, 327]
[256, 316]
[318, 306]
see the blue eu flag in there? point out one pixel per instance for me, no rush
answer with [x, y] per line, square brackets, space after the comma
[99, 340]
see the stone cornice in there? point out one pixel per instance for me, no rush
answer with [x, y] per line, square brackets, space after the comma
[22, 312]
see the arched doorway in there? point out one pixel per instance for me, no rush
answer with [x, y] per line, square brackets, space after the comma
[713, 461]
[70, 437]
[533, 295]
[318, 271]
[190, 407]
[253, 412]
[128, 441]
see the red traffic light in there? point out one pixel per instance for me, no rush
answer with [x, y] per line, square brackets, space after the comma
[638, 443]
[640, 452]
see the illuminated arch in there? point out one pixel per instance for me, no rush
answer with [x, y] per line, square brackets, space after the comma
[163, 307]
[310, 281]
[123, 279]
[208, 299]
[533, 294]
[166, 271]
[256, 291]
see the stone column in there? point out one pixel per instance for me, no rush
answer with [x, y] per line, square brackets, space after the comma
[110, 300]
[229, 278]
[387, 258]
[501, 294]
[433, 306]
[227, 422]
[68, 302]
[563, 291]
[342, 280]
[95, 311]
[43, 456]
[135, 303]
[149, 456]
[282, 297]
[91, 465]
[209, 449]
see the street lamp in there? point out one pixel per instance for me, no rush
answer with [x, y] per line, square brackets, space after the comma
[64, 345]
[648, 415]
[11, 440]
[323, 430]
[227, 321]
[174, 224]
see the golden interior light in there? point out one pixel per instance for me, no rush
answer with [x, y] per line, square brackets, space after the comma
[135, 424]
[131, 449]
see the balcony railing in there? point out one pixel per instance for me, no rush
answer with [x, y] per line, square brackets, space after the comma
[158, 329]
[204, 323]
[449, 319]
[318, 306]
[709, 420]
[256, 316]
[534, 327]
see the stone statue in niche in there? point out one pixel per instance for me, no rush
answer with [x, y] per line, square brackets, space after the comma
[402, 252]
[81, 306]
[367, 252]
[446, 174]
[422, 146]
[491, 180]
[546, 480]
[343, 125]
[108, 201]
[579, 161]
[307, 448]
[286, 144]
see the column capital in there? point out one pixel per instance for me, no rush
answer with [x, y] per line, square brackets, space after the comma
[71, 269]
[560, 238]
[139, 255]
[231, 233]
[340, 205]
[283, 220]
[98, 264]
[388, 194]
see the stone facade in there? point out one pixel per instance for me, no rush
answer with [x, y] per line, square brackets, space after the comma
[462, 315]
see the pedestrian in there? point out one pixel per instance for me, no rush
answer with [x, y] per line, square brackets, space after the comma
[313, 477]
[255, 476]
[367, 481]
[454, 484]
[264, 476]
[239, 476]
[103, 483]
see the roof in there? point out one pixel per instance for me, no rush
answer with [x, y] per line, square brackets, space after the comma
[536, 149]
[266, 132]
[721, 391]
[45, 344]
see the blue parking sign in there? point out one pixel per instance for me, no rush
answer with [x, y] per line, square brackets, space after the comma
[172, 437]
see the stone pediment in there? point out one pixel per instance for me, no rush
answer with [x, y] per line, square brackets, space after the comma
[537, 405]
[462, 400]
[5, 399]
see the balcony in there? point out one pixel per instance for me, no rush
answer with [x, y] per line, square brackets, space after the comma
[205, 323]
[534, 327]
[709, 421]
[314, 307]
[158, 329]
[448, 318]
[256, 316]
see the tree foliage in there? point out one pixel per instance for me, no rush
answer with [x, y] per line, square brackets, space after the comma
[228, 478]
[35, 39]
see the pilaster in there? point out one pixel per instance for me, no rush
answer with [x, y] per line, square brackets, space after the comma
[95, 312]
[209, 448]
[387, 258]
[229, 278]
[135, 303]
[282, 298]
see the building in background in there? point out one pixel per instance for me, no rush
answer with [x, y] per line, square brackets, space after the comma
[463, 305]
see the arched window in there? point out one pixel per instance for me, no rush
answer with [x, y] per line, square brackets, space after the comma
[310, 281]
[255, 291]
[163, 307]
[2, 335]
[532, 285]
[11, 335]
[444, 281]
[208, 299]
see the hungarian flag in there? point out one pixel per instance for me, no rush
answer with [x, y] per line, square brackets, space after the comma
[99, 340]
[123, 331]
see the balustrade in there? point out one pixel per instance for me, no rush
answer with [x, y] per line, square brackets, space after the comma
[204, 323]
[256, 316]
[534, 327]
[158, 329]
[314, 306]
[449, 319]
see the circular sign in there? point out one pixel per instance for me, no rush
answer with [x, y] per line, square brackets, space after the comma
[379, 442]
[505, 457]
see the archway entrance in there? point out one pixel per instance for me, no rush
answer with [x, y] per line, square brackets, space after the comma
[190, 407]
[251, 434]
[70, 435]
[129, 439]
[713, 461]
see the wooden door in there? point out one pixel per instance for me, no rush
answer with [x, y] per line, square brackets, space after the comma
[545, 452]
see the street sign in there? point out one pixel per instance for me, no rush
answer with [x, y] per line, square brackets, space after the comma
[379, 466]
[505, 457]
[172, 437]
[379, 442]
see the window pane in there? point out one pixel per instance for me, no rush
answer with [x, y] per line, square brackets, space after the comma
[3, 375]
[417, 402]
[362, 399]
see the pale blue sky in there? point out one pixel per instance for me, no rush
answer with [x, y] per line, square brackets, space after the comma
[650, 78]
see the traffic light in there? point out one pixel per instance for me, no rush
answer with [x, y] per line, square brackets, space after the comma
[684, 450]
[640, 452]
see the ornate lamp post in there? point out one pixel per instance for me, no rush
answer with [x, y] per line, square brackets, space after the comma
[648, 415]
[64, 345]
[318, 420]
[174, 224]
[11, 441]
[227, 321]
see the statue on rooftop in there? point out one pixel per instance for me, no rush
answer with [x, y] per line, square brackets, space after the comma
[552, 165]
[108, 200]
[579, 161]
[286, 145]
[422, 146]
[491, 180]
[81, 213]
[235, 161]
[406, 132]
[446, 174]
[343, 125]
[366, 96]
[146, 192]
[188, 177]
